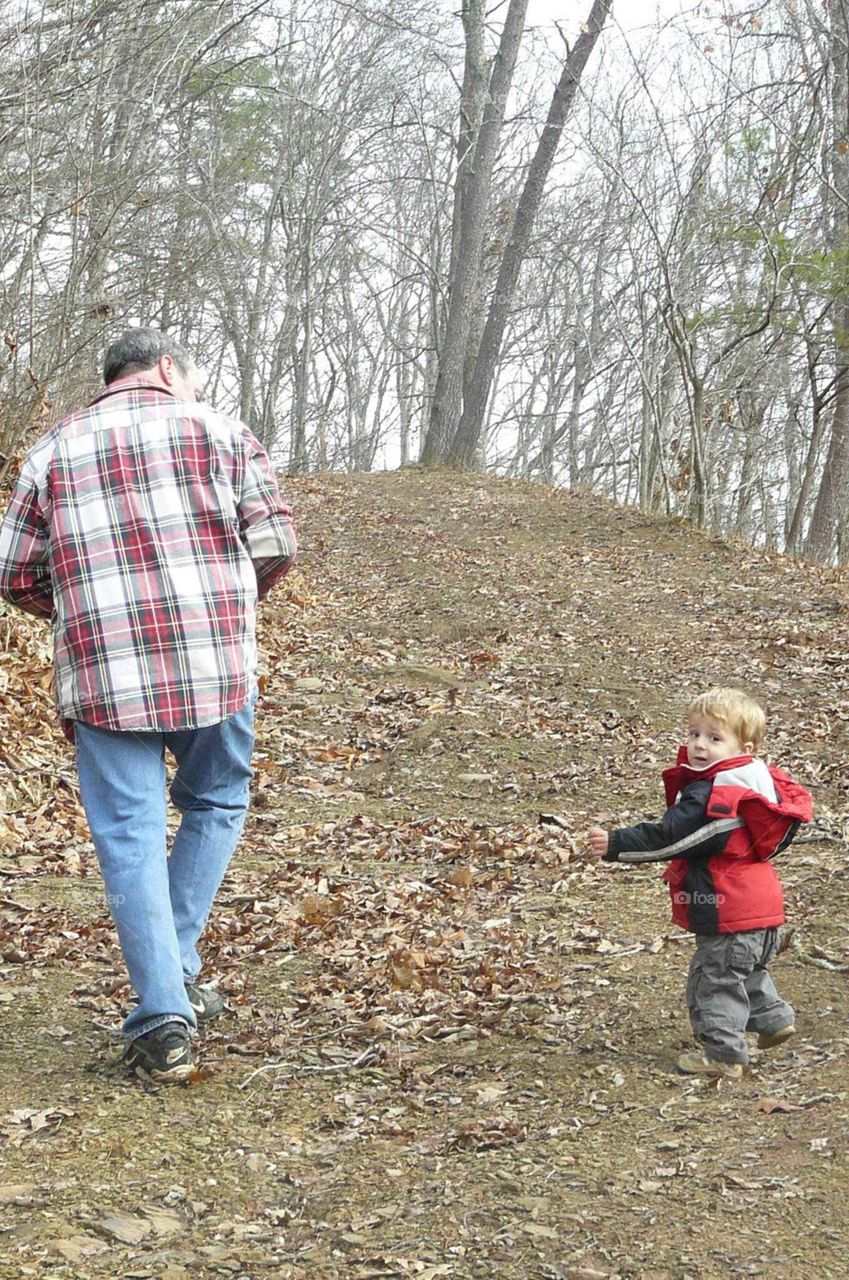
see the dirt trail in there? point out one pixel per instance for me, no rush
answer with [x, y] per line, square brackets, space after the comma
[450, 1045]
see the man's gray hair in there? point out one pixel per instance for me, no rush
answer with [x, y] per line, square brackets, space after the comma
[140, 349]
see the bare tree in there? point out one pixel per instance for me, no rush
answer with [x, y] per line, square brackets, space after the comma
[833, 492]
[464, 444]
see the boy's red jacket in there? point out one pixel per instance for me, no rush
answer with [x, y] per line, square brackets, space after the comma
[719, 833]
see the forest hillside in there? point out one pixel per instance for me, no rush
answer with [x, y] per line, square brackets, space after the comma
[451, 1040]
[601, 245]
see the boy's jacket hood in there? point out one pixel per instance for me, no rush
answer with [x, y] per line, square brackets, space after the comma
[681, 773]
[768, 802]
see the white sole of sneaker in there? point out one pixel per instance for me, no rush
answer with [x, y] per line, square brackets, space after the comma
[779, 1037]
[175, 1075]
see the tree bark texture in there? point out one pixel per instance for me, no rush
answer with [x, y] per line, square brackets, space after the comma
[833, 492]
[471, 206]
[465, 442]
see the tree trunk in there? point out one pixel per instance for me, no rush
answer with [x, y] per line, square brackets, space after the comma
[471, 206]
[698, 493]
[303, 361]
[834, 486]
[794, 532]
[464, 445]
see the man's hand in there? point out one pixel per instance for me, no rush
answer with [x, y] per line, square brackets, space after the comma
[599, 841]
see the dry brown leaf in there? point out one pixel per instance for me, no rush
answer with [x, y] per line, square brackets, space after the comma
[77, 1248]
[483, 658]
[16, 1192]
[768, 1105]
[124, 1227]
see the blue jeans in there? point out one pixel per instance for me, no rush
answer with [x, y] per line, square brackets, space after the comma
[160, 904]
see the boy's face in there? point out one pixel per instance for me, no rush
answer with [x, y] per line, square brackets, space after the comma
[709, 740]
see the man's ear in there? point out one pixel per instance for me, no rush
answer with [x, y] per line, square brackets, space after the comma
[166, 369]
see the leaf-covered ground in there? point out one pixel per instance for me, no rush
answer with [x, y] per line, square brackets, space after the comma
[450, 1044]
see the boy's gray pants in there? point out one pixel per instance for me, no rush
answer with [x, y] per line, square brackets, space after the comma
[729, 992]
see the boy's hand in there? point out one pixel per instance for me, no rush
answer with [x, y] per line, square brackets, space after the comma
[599, 842]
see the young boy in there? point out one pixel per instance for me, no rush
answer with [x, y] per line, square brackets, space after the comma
[728, 814]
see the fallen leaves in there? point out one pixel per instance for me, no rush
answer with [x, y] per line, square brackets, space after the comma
[77, 1248]
[315, 909]
[125, 1228]
[26, 1122]
[16, 1192]
[430, 956]
[590, 1273]
[384, 1266]
[769, 1105]
[540, 1231]
[483, 658]
[488, 1137]
[418, 962]
[133, 1228]
[491, 1094]
[33, 934]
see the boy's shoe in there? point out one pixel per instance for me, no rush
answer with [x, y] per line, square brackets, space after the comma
[205, 1001]
[163, 1055]
[693, 1063]
[776, 1037]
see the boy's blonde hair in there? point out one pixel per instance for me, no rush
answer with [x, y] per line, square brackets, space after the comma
[735, 709]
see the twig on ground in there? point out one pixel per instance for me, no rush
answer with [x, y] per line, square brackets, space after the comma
[370, 1056]
[816, 956]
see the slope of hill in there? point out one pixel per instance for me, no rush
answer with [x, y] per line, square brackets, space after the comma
[451, 1041]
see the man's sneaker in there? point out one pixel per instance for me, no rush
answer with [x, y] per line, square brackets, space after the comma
[773, 1038]
[693, 1063]
[163, 1055]
[205, 1001]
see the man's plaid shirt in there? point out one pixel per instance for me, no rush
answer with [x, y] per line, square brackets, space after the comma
[146, 528]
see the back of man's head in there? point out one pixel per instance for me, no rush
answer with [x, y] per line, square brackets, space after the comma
[139, 349]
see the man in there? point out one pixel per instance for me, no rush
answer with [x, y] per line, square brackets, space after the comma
[146, 527]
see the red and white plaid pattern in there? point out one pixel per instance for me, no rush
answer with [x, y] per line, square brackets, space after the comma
[146, 528]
